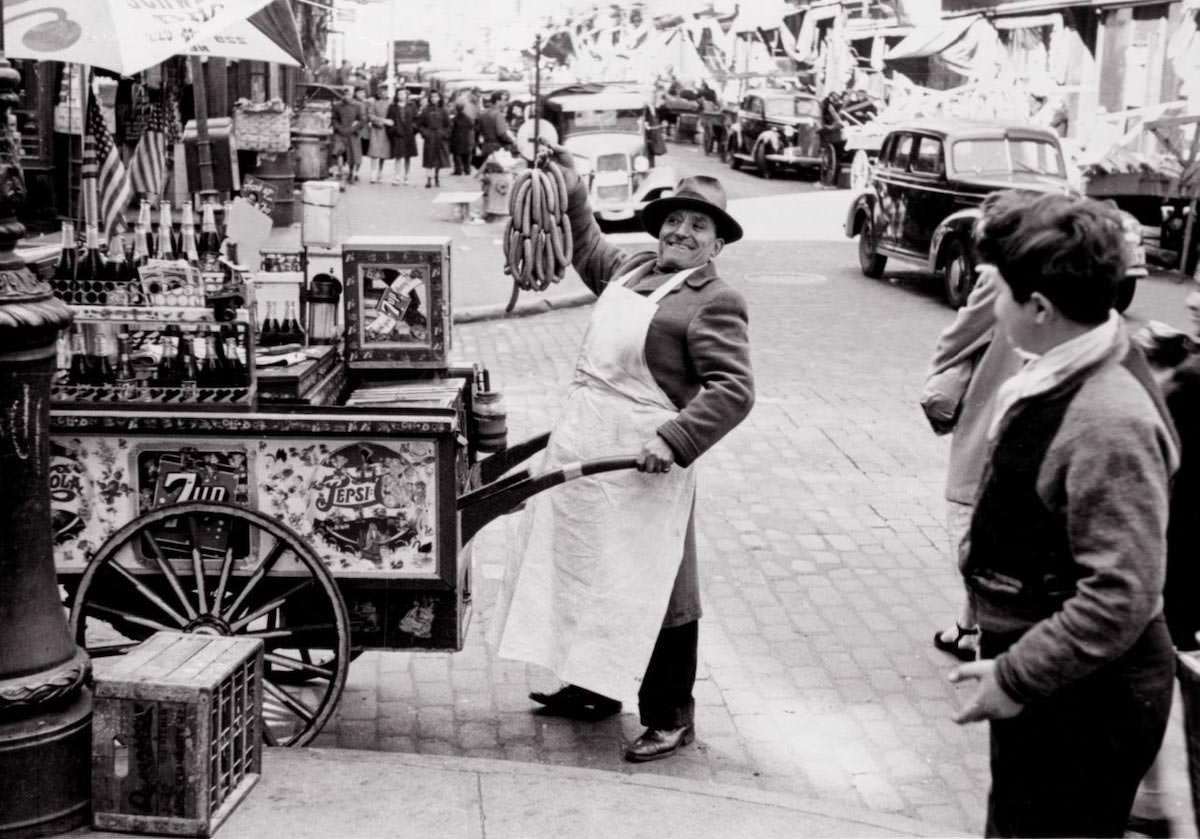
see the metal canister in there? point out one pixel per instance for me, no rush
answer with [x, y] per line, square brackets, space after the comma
[491, 420]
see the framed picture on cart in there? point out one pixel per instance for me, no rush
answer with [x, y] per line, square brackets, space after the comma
[397, 301]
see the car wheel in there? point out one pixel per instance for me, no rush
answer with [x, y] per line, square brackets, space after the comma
[958, 268]
[764, 165]
[869, 260]
[860, 169]
[829, 165]
[1125, 292]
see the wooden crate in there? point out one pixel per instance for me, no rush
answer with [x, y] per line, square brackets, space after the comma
[176, 734]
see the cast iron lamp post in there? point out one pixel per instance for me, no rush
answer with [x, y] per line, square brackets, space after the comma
[45, 706]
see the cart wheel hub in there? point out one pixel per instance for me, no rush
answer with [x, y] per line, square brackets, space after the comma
[208, 625]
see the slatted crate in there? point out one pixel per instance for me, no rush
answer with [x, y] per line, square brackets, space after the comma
[176, 733]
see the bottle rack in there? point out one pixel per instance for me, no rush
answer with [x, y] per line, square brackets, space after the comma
[167, 284]
[146, 329]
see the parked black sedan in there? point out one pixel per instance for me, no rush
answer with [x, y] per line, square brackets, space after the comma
[923, 195]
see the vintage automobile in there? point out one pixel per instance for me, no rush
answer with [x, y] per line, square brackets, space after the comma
[776, 129]
[922, 197]
[602, 129]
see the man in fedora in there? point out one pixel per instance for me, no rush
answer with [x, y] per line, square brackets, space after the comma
[601, 586]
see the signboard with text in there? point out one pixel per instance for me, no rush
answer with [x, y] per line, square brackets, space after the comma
[409, 52]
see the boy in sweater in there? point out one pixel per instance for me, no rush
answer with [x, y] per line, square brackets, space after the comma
[1065, 557]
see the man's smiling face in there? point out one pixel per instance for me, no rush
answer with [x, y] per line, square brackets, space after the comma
[687, 239]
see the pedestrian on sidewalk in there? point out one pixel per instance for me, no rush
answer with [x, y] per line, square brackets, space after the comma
[1066, 554]
[364, 128]
[346, 118]
[402, 133]
[434, 125]
[379, 147]
[494, 133]
[969, 364]
[462, 139]
[1175, 359]
[602, 584]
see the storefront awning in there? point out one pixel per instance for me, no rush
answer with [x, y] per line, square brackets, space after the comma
[931, 40]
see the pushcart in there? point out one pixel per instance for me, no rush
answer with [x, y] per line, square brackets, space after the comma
[323, 532]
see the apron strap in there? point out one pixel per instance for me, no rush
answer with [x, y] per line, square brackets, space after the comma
[671, 284]
[636, 274]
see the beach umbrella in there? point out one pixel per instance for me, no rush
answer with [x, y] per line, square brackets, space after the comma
[119, 35]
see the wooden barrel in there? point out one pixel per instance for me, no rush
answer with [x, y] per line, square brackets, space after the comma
[312, 155]
[278, 170]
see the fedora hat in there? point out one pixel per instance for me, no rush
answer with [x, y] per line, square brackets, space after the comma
[698, 192]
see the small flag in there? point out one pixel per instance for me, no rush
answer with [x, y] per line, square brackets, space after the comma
[113, 182]
[148, 166]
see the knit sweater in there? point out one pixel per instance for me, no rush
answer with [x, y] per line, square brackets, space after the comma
[1067, 547]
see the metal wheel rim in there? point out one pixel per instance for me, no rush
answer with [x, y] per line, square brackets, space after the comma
[958, 277]
[828, 176]
[220, 589]
[866, 245]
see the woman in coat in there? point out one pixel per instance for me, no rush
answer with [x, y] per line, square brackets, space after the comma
[462, 139]
[402, 133]
[378, 145]
[435, 131]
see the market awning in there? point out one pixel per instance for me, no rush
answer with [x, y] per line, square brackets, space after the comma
[278, 23]
[933, 39]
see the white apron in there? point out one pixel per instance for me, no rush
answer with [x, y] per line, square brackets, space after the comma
[587, 584]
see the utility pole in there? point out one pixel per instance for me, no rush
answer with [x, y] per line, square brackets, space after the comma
[45, 707]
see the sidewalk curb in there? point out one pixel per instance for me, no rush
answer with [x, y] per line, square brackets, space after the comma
[474, 314]
[859, 817]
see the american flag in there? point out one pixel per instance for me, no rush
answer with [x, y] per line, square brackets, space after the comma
[113, 182]
[148, 166]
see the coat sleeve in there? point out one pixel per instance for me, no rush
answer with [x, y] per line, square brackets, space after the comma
[718, 343]
[972, 326]
[594, 257]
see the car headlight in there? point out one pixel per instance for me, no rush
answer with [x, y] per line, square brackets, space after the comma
[641, 164]
[789, 131]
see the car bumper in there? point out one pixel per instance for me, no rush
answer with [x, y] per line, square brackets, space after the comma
[794, 157]
[621, 213]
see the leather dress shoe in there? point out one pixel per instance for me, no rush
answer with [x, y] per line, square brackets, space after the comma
[574, 701]
[657, 743]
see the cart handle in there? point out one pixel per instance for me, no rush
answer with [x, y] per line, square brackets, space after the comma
[495, 465]
[478, 508]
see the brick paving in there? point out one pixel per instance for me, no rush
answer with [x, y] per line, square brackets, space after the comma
[823, 560]
[824, 557]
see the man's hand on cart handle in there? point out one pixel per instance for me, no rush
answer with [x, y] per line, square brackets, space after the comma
[655, 456]
[565, 160]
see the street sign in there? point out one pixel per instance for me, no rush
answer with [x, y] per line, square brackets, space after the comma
[409, 52]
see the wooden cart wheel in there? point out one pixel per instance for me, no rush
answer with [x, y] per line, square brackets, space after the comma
[829, 165]
[120, 603]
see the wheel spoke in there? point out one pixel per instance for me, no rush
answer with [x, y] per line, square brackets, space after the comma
[125, 616]
[290, 702]
[288, 632]
[198, 567]
[266, 608]
[146, 592]
[226, 569]
[169, 573]
[293, 664]
[263, 569]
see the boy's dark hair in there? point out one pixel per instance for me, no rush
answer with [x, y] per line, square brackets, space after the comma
[1068, 249]
[497, 97]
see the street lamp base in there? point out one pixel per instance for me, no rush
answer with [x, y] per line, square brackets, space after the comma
[45, 764]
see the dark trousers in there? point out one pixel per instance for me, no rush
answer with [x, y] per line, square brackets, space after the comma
[665, 698]
[462, 164]
[1070, 764]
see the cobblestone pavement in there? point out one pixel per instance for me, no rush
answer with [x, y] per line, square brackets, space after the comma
[823, 558]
